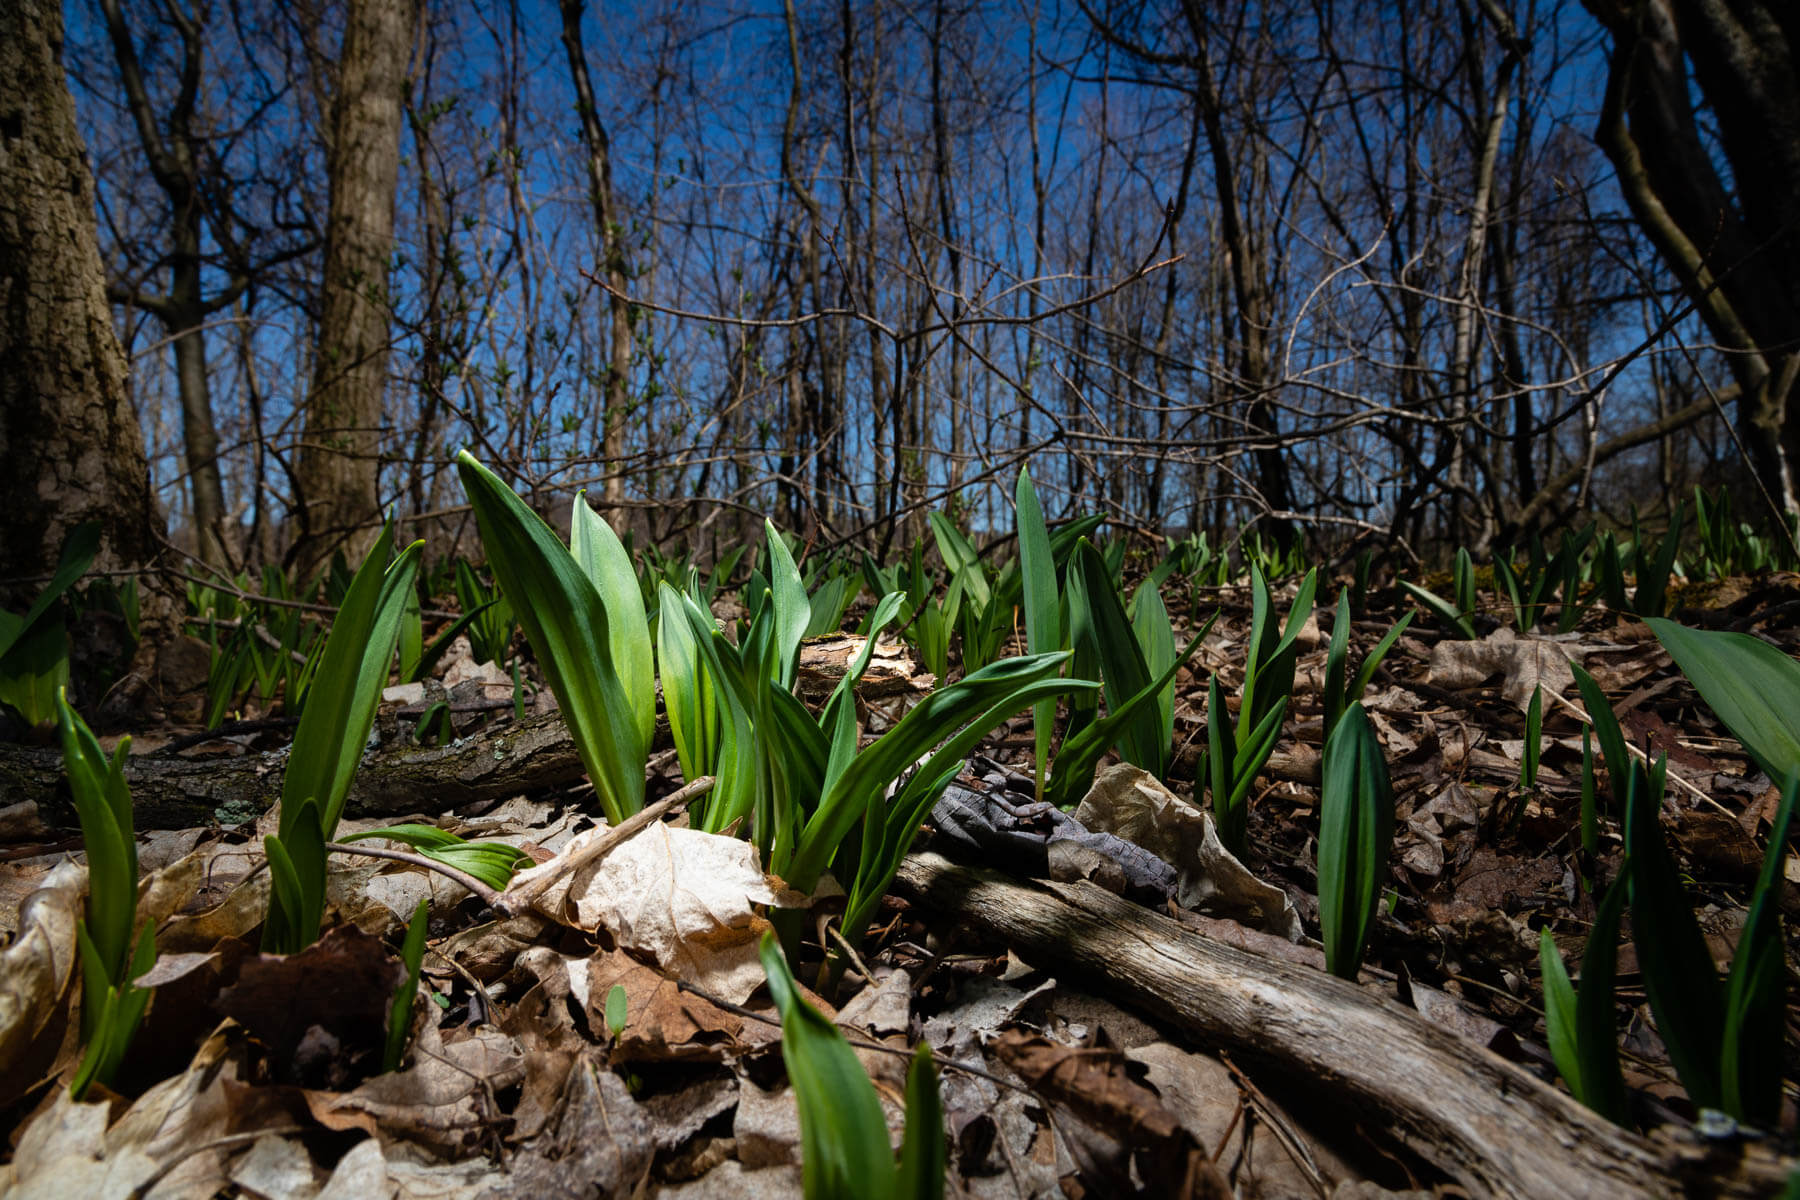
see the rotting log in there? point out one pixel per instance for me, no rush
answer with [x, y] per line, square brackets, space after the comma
[498, 761]
[1483, 1121]
[400, 777]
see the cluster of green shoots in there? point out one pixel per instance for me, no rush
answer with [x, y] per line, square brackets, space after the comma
[815, 799]
[1719, 1034]
[270, 646]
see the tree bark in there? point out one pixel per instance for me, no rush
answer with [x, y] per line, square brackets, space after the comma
[609, 227]
[71, 442]
[180, 793]
[1734, 246]
[338, 476]
[171, 151]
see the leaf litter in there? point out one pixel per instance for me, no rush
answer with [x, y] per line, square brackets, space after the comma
[514, 1085]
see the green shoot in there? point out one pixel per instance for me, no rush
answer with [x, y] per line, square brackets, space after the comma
[1043, 612]
[111, 1007]
[1582, 1032]
[583, 613]
[615, 1011]
[1355, 837]
[412, 956]
[34, 646]
[493, 863]
[845, 1152]
[330, 741]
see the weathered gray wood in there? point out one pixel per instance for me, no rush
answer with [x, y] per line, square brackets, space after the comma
[1485, 1122]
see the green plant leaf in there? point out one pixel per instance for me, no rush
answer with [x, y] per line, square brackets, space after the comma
[792, 609]
[933, 722]
[1113, 645]
[1606, 729]
[1752, 686]
[78, 551]
[1366, 673]
[434, 650]
[1156, 639]
[1534, 739]
[1355, 838]
[1678, 970]
[1602, 1084]
[961, 559]
[103, 806]
[1653, 576]
[36, 668]
[1337, 665]
[1756, 992]
[615, 1010]
[399, 1022]
[843, 1136]
[332, 735]
[491, 862]
[922, 1155]
[1454, 620]
[1043, 612]
[565, 619]
[1560, 1027]
[1082, 751]
[597, 549]
[689, 694]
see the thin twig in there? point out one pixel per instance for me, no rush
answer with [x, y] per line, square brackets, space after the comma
[1643, 756]
[488, 895]
[861, 1043]
[519, 899]
[1287, 1137]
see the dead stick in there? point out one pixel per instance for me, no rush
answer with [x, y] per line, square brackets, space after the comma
[1491, 1126]
[518, 900]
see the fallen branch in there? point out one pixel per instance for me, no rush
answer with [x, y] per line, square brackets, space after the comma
[1485, 1122]
[519, 899]
[400, 777]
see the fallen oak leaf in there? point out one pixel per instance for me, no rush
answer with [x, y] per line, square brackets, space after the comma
[1096, 1085]
[1524, 664]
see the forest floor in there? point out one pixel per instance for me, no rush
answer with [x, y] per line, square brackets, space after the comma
[1182, 1043]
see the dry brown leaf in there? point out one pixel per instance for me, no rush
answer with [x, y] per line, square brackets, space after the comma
[1448, 1013]
[319, 1009]
[34, 975]
[1206, 1099]
[371, 1172]
[1094, 1084]
[662, 1022]
[884, 1007]
[684, 898]
[1131, 803]
[1523, 663]
[602, 1143]
[243, 908]
[276, 1168]
[180, 1122]
[63, 1153]
[442, 1101]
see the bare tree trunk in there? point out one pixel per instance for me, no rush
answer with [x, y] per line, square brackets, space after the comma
[339, 469]
[170, 150]
[1252, 302]
[71, 441]
[1734, 246]
[610, 228]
